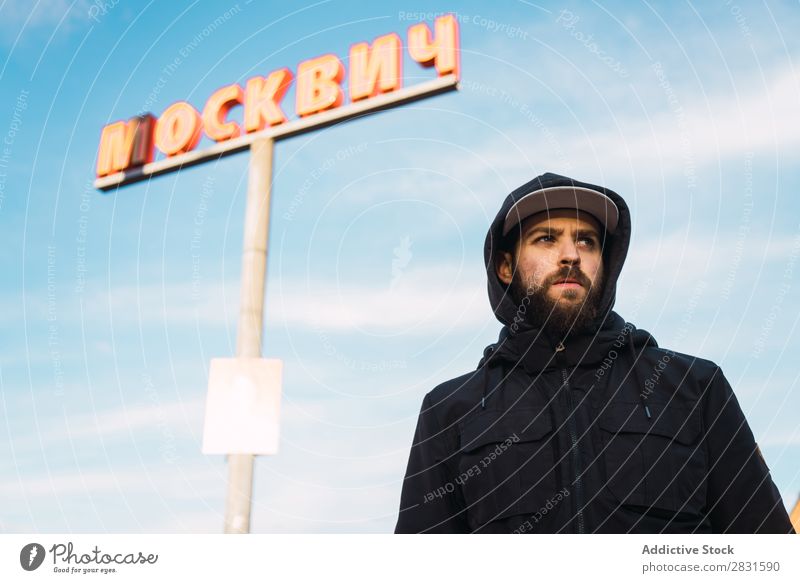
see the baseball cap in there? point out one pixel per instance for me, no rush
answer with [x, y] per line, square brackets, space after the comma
[584, 199]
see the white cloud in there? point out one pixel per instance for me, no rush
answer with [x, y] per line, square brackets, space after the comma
[421, 300]
[683, 259]
[167, 480]
[641, 140]
[171, 419]
[43, 13]
[763, 119]
[784, 439]
[325, 479]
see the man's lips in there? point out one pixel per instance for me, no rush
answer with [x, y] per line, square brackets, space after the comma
[568, 282]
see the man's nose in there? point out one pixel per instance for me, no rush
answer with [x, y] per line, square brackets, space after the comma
[568, 252]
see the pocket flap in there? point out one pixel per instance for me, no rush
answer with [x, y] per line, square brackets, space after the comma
[513, 426]
[681, 424]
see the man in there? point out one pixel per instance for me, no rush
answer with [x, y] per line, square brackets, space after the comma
[576, 421]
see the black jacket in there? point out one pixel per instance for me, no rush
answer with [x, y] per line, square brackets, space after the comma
[604, 432]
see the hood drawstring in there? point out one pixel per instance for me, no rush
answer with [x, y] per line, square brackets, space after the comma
[492, 371]
[492, 374]
[639, 383]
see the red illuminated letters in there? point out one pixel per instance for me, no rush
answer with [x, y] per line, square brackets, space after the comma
[374, 68]
[262, 100]
[216, 110]
[442, 50]
[125, 145]
[318, 85]
[178, 129]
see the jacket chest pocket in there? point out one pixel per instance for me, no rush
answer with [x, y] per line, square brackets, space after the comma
[658, 462]
[506, 464]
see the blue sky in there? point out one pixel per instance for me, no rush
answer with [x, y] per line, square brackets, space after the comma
[114, 304]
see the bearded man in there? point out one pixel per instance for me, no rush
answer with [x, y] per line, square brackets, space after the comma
[575, 420]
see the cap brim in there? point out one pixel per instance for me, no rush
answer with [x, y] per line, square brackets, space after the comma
[591, 201]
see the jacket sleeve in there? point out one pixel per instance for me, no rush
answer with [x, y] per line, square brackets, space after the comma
[742, 498]
[431, 500]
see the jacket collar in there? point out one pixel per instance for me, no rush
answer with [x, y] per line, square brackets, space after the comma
[536, 350]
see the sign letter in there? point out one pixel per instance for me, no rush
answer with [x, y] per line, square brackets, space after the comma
[216, 110]
[124, 145]
[178, 129]
[262, 100]
[318, 85]
[375, 69]
[442, 51]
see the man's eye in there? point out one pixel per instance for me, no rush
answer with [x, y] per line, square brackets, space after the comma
[588, 241]
[546, 238]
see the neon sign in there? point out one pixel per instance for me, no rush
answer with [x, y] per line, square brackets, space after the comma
[375, 69]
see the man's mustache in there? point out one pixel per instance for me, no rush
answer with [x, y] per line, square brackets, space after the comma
[569, 273]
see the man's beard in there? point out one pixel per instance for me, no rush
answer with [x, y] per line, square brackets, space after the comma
[553, 315]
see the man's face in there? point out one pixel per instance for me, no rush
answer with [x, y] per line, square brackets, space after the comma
[558, 262]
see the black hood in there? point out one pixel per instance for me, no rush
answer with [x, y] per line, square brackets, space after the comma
[523, 340]
[615, 248]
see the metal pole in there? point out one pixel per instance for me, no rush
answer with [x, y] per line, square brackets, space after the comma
[251, 317]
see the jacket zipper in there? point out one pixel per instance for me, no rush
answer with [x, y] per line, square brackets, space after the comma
[573, 433]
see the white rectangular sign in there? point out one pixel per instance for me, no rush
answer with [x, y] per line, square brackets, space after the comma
[243, 406]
